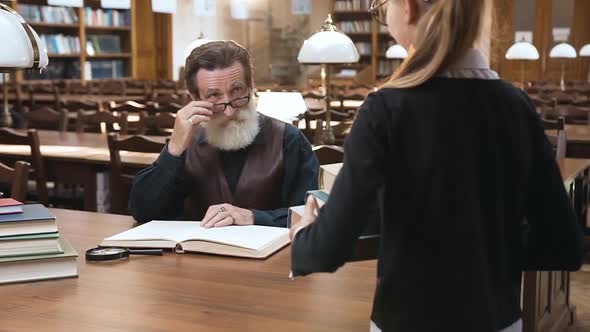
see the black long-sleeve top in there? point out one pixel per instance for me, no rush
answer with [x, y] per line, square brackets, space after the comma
[159, 191]
[456, 166]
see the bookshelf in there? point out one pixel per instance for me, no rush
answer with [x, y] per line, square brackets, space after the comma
[372, 40]
[91, 42]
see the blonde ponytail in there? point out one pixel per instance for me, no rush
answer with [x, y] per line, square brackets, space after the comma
[444, 33]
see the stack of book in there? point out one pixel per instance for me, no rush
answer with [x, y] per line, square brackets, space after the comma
[31, 247]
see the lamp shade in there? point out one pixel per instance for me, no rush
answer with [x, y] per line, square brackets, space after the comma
[563, 51]
[396, 52]
[20, 46]
[328, 46]
[194, 44]
[585, 50]
[522, 50]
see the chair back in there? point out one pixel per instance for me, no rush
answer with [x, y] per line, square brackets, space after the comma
[18, 177]
[129, 107]
[572, 114]
[48, 90]
[121, 179]
[91, 120]
[113, 87]
[329, 154]
[75, 106]
[138, 88]
[560, 143]
[31, 139]
[45, 117]
[160, 123]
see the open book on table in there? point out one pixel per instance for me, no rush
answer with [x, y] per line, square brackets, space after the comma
[188, 236]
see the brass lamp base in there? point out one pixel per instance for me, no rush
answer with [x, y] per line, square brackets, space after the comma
[328, 135]
[5, 119]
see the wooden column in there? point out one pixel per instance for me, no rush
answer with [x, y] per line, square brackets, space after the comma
[545, 68]
[152, 42]
[502, 37]
[581, 36]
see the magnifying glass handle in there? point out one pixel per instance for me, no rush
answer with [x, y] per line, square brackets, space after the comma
[152, 252]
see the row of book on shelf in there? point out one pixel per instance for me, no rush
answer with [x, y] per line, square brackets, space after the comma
[107, 17]
[31, 247]
[68, 15]
[355, 26]
[96, 44]
[68, 68]
[61, 44]
[352, 5]
[48, 14]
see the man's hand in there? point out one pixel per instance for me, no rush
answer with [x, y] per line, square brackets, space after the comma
[225, 215]
[188, 118]
[309, 216]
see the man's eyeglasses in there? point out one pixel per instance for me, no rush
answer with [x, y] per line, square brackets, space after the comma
[236, 103]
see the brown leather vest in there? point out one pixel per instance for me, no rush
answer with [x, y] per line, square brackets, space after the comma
[259, 185]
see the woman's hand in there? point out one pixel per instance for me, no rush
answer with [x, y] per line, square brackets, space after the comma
[309, 216]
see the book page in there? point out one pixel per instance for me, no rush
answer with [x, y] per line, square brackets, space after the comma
[249, 237]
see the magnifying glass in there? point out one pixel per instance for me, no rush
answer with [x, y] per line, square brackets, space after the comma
[112, 253]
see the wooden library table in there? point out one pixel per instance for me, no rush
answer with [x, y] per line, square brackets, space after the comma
[76, 158]
[185, 292]
[578, 140]
[546, 294]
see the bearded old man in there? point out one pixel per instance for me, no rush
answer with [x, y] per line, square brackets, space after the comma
[232, 165]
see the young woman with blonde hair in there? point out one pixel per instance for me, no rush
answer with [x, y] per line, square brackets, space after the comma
[461, 167]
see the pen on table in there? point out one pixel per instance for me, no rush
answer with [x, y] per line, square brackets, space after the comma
[153, 252]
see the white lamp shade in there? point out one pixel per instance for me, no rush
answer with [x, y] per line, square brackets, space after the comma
[16, 49]
[563, 51]
[522, 51]
[396, 52]
[585, 50]
[194, 44]
[328, 47]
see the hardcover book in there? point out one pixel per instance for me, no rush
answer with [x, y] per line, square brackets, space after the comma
[188, 236]
[35, 219]
[40, 267]
[9, 206]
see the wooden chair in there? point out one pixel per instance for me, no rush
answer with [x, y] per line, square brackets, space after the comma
[18, 176]
[31, 139]
[45, 117]
[329, 154]
[75, 106]
[160, 123]
[47, 89]
[113, 87]
[77, 87]
[165, 86]
[560, 143]
[129, 107]
[91, 120]
[121, 179]
[138, 88]
[166, 98]
[572, 114]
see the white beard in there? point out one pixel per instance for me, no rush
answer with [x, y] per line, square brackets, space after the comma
[238, 133]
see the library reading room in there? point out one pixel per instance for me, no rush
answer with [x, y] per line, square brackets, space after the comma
[295, 165]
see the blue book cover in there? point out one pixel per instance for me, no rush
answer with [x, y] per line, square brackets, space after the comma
[31, 212]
